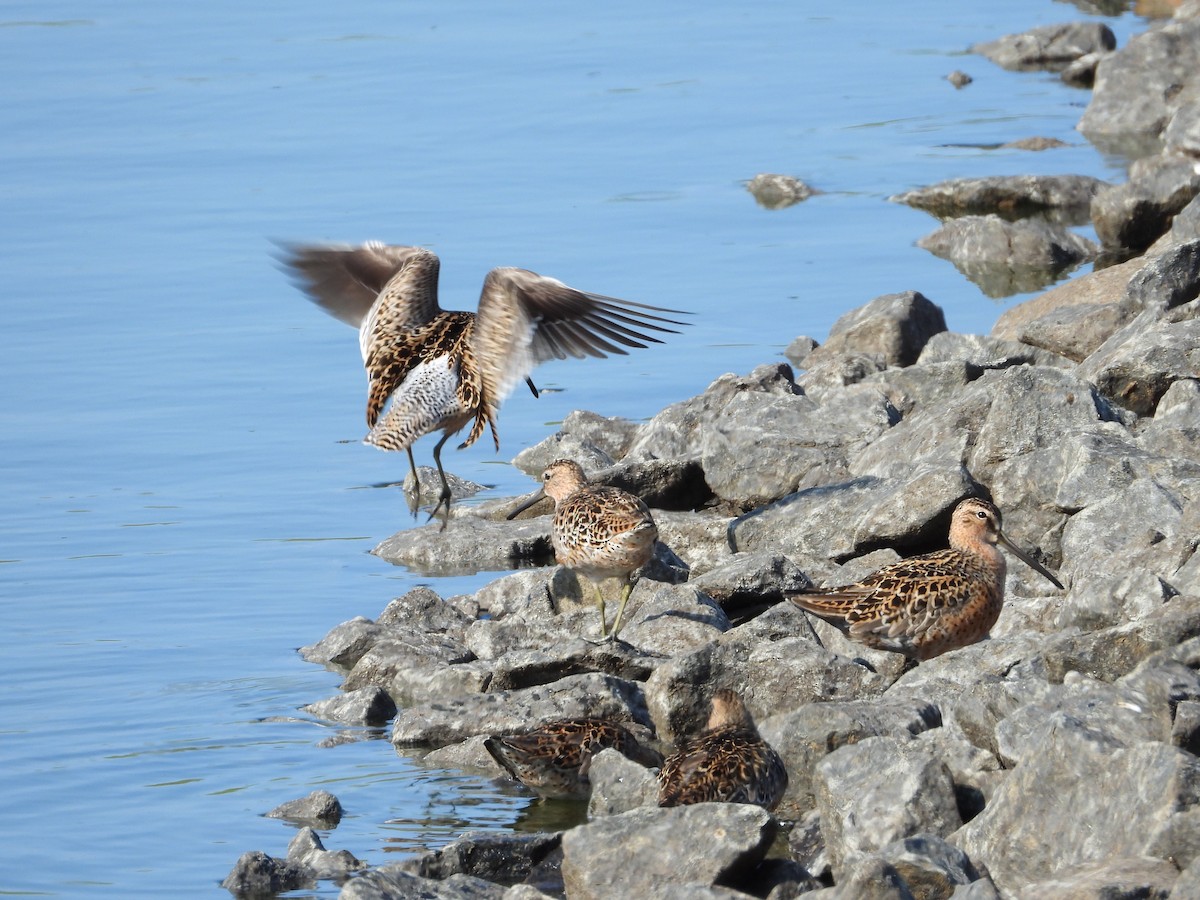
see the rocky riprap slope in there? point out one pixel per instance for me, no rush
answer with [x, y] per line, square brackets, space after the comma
[1057, 759]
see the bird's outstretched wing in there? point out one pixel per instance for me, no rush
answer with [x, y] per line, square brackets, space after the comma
[374, 287]
[526, 318]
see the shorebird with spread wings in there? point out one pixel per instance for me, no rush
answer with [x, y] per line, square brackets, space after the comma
[430, 369]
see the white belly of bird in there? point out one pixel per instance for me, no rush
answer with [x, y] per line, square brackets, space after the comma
[426, 401]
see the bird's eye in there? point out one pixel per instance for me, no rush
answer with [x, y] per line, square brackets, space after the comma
[981, 514]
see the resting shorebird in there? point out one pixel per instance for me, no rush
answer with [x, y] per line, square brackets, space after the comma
[728, 763]
[924, 606]
[554, 760]
[598, 531]
[441, 369]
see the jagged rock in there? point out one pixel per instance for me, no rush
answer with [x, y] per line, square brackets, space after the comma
[577, 696]
[370, 705]
[686, 845]
[619, 784]
[959, 78]
[320, 809]
[1130, 217]
[1005, 258]
[806, 735]
[1136, 366]
[1050, 47]
[1139, 88]
[1054, 792]
[921, 866]
[771, 661]
[256, 874]
[306, 849]
[672, 434]
[345, 644]
[469, 544]
[1138, 877]
[750, 582]
[595, 442]
[894, 327]
[501, 858]
[394, 883]
[979, 353]
[1011, 196]
[880, 790]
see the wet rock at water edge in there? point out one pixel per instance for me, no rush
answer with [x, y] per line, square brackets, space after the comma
[370, 705]
[778, 191]
[320, 809]
[1004, 257]
[257, 875]
[1064, 197]
[1049, 47]
[1129, 217]
[959, 78]
[306, 850]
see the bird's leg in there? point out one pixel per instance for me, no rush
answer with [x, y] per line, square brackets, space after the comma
[532, 387]
[414, 502]
[625, 592]
[444, 497]
[604, 635]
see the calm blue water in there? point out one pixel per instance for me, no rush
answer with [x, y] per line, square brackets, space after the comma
[185, 501]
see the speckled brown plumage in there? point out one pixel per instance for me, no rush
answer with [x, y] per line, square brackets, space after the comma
[729, 762]
[435, 370]
[927, 605]
[555, 759]
[598, 531]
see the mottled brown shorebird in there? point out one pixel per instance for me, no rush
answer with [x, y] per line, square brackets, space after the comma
[598, 531]
[927, 605]
[728, 763]
[442, 369]
[555, 759]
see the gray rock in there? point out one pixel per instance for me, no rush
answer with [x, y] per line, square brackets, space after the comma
[468, 545]
[687, 845]
[1005, 258]
[1012, 196]
[402, 662]
[595, 442]
[979, 353]
[778, 191]
[749, 583]
[256, 874]
[806, 735]
[320, 808]
[1151, 879]
[1182, 134]
[394, 883]
[1139, 87]
[619, 784]
[1136, 365]
[501, 858]
[672, 434]
[1049, 47]
[457, 718]
[1081, 72]
[1130, 217]
[370, 705]
[771, 661]
[789, 436]
[306, 849]
[1077, 331]
[344, 645]
[422, 609]
[1098, 288]
[894, 327]
[959, 78]
[1167, 281]
[880, 790]
[1054, 792]
[1112, 549]
[1188, 884]
[920, 866]
[1120, 718]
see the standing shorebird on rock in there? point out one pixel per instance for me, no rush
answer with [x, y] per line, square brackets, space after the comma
[442, 369]
[555, 759]
[728, 763]
[927, 605]
[598, 531]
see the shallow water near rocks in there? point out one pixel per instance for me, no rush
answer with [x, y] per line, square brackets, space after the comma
[186, 501]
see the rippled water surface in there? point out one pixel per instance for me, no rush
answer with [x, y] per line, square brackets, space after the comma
[185, 501]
